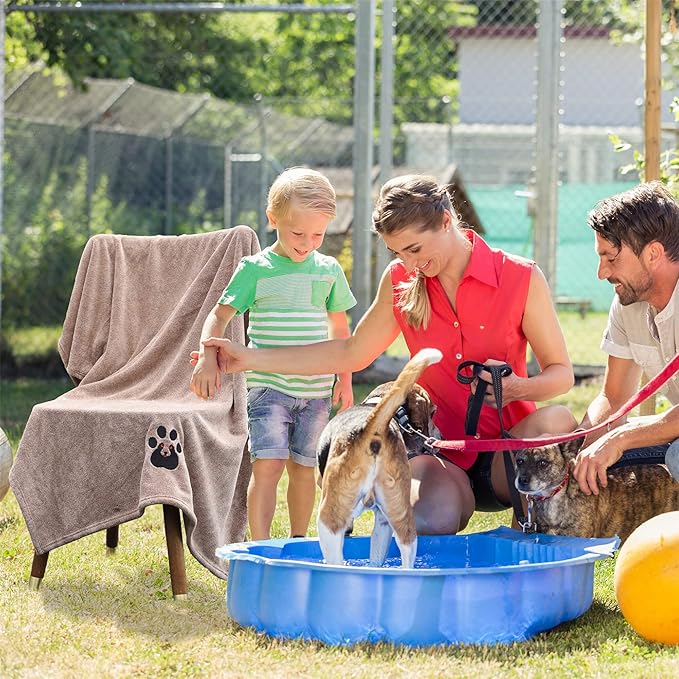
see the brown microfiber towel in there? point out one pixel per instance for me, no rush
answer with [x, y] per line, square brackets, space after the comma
[132, 434]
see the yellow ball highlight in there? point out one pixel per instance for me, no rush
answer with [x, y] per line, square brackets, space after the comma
[647, 579]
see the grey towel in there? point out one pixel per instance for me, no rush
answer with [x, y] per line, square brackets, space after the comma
[132, 434]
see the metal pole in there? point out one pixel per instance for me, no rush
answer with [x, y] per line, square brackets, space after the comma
[386, 120]
[262, 220]
[176, 7]
[364, 101]
[2, 139]
[227, 187]
[169, 181]
[549, 36]
[448, 109]
[91, 177]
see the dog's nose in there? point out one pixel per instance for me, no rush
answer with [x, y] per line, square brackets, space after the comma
[523, 481]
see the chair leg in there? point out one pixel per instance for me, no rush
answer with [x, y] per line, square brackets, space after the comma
[38, 570]
[111, 540]
[175, 551]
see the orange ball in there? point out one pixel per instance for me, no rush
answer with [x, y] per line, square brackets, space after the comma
[647, 579]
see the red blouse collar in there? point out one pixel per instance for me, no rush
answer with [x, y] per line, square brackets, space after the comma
[482, 263]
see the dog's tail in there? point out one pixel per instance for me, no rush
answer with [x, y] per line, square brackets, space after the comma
[379, 419]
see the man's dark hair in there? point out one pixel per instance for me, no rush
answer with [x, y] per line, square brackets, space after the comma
[637, 217]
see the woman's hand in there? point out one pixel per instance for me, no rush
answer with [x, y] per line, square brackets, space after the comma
[510, 386]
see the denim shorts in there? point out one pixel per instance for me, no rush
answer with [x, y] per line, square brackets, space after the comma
[281, 426]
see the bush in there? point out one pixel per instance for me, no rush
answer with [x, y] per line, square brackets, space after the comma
[31, 352]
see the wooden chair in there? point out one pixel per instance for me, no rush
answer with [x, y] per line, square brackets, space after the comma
[134, 432]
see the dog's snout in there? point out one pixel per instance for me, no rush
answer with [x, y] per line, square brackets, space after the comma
[375, 446]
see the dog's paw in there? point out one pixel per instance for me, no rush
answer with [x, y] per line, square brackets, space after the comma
[165, 448]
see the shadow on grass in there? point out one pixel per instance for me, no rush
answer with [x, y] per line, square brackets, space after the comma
[586, 634]
[141, 604]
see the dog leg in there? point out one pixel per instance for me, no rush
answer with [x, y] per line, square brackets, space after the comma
[408, 552]
[380, 538]
[331, 544]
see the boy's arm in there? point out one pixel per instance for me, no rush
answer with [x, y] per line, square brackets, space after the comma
[338, 328]
[206, 378]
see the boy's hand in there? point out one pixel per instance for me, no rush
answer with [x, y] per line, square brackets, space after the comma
[206, 379]
[230, 356]
[343, 393]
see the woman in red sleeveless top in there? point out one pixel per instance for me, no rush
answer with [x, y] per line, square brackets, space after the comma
[449, 290]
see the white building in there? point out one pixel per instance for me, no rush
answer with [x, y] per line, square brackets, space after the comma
[602, 91]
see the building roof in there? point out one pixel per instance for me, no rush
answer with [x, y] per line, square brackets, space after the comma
[495, 31]
[342, 179]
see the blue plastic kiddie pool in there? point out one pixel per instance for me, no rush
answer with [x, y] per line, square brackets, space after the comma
[483, 588]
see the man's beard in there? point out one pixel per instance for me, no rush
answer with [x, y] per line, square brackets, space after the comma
[629, 293]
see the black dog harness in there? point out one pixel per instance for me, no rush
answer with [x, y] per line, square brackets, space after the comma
[471, 423]
[403, 421]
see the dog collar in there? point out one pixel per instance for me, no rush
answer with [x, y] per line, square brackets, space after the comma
[541, 495]
[403, 422]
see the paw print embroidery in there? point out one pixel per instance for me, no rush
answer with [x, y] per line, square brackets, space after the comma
[165, 447]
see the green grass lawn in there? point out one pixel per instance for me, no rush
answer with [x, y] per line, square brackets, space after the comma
[99, 616]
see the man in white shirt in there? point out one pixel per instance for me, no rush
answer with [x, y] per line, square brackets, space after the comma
[637, 241]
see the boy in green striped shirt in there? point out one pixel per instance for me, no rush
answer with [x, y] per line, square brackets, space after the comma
[295, 296]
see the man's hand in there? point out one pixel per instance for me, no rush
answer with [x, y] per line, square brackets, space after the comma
[592, 462]
[343, 393]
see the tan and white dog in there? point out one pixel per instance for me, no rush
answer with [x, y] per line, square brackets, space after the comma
[363, 458]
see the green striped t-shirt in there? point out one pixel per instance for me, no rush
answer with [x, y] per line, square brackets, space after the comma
[289, 304]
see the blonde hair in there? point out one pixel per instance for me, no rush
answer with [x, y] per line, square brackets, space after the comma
[310, 190]
[419, 202]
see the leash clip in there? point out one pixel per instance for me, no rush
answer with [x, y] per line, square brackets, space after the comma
[429, 445]
[528, 526]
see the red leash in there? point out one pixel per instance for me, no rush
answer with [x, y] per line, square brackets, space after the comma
[482, 445]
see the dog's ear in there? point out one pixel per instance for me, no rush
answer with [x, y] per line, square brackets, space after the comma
[417, 405]
[569, 449]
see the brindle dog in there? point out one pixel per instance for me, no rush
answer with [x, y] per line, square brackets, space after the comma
[633, 494]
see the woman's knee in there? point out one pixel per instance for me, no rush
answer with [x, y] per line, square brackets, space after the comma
[557, 419]
[554, 419]
[442, 498]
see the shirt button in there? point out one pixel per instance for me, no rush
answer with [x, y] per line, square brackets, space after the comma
[458, 356]
[456, 324]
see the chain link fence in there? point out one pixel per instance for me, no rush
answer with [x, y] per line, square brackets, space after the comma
[110, 141]
[490, 133]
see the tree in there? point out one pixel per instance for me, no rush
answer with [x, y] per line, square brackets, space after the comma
[181, 52]
[314, 56]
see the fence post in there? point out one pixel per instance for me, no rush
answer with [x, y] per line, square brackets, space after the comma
[386, 121]
[2, 135]
[651, 123]
[91, 175]
[227, 188]
[169, 182]
[549, 35]
[364, 100]
[262, 220]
